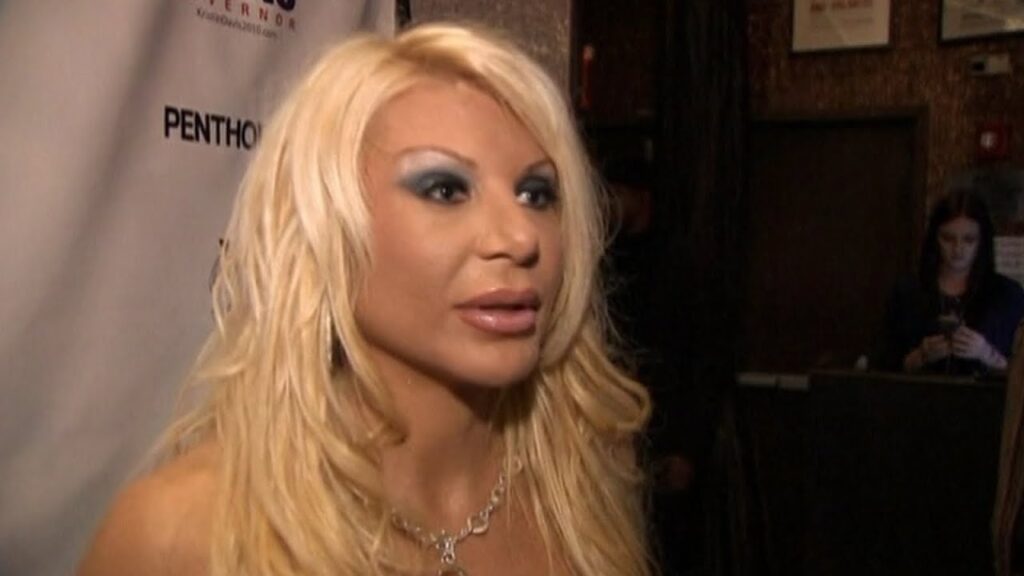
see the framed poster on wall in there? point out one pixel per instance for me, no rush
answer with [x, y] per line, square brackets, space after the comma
[966, 19]
[821, 25]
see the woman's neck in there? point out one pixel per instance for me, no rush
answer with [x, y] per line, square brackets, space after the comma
[445, 467]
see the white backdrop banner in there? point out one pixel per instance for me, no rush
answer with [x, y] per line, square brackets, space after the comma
[124, 130]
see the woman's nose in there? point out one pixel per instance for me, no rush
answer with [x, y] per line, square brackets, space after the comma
[508, 230]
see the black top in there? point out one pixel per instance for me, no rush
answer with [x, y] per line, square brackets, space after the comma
[914, 313]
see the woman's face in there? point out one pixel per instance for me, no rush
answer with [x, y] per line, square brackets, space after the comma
[465, 239]
[958, 244]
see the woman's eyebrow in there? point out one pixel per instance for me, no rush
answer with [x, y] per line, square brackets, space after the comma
[421, 151]
[542, 165]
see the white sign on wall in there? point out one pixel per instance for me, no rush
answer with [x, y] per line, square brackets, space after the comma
[125, 129]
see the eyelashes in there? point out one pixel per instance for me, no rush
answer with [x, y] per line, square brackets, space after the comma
[442, 186]
[535, 191]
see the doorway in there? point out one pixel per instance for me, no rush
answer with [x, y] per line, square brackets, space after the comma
[834, 213]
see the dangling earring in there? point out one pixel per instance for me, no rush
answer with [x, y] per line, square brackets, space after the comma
[338, 357]
[335, 352]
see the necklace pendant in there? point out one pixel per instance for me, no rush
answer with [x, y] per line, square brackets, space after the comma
[446, 543]
[443, 542]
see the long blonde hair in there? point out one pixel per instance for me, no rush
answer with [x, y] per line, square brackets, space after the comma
[300, 429]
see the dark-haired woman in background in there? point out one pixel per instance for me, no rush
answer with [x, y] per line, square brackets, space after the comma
[959, 315]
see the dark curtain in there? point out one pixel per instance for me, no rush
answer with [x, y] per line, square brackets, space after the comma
[403, 14]
[690, 322]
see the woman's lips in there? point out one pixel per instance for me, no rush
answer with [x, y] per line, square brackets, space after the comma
[502, 312]
[505, 322]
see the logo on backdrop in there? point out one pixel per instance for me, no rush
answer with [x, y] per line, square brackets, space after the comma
[210, 129]
[265, 18]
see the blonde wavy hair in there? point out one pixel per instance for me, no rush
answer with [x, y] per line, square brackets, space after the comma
[300, 430]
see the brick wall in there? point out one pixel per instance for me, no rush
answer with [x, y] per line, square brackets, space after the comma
[541, 27]
[914, 71]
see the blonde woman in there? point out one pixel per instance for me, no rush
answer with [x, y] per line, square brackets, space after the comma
[409, 372]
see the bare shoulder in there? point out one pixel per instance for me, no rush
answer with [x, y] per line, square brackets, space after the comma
[160, 523]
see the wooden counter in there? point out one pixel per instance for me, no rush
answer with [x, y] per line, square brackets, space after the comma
[873, 474]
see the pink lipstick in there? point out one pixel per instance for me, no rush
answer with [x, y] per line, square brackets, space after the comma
[502, 312]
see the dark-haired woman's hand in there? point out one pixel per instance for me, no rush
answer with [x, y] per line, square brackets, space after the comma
[935, 348]
[931, 349]
[970, 344]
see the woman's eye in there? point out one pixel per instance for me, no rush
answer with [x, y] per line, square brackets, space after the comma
[537, 192]
[446, 192]
[444, 188]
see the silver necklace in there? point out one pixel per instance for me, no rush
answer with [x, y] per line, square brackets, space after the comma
[445, 542]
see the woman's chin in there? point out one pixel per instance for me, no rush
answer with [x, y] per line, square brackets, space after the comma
[499, 374]
[499, 368]
[498, 379]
